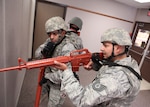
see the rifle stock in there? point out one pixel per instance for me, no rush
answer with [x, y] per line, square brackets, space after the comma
[77, 58]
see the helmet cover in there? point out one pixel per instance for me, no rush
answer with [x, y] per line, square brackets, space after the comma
[118, 36]
[55, 23]
[76, 21]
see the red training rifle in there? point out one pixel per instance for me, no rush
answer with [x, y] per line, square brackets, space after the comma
[77, 58]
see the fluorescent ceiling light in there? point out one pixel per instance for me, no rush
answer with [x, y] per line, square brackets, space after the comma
[142, 1]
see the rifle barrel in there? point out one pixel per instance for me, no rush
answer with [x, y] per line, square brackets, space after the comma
[12, 68]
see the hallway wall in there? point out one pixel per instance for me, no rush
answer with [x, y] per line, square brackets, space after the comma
[97, 16]
[2, 75]
[14, 42]
[142, 15]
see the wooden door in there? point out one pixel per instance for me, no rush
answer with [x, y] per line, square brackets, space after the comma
[44, 11]
[140, 49]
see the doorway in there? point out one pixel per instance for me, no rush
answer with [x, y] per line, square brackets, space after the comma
[141, 47]
[44, 10]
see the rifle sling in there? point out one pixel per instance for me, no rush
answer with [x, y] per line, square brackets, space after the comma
[128, 67]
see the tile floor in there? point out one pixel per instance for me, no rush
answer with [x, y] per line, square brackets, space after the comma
[28, 92]
[145, 85]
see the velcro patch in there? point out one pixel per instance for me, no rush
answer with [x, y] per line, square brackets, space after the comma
[97, 86]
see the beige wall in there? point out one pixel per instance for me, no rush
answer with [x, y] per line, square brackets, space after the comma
[142, 15]
[14, 37]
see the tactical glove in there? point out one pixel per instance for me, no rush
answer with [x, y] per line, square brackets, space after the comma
[97, 61]
[43, 81]
[48, 50]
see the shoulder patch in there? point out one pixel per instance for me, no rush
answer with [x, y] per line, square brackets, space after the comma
[97, 86]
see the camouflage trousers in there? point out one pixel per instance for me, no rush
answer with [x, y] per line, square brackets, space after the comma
[56, 97]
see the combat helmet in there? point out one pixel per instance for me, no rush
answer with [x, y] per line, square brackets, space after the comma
[117, 36]
[76, 21]
[55, 23]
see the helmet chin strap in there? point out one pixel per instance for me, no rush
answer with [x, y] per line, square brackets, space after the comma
[60, 39]
[112, 54]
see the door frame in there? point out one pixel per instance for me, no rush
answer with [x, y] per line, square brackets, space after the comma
[140, 53]
[35, 17]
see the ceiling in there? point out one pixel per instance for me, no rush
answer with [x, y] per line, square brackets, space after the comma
[135, 4]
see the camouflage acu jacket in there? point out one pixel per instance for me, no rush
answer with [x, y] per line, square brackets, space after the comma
[114, 86]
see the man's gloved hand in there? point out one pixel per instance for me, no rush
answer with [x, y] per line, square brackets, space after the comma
[43, 81]
[96, 59]
[48, 50]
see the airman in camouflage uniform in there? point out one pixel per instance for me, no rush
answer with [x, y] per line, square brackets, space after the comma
[75, 25]
[65, 43]
[114, 86]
